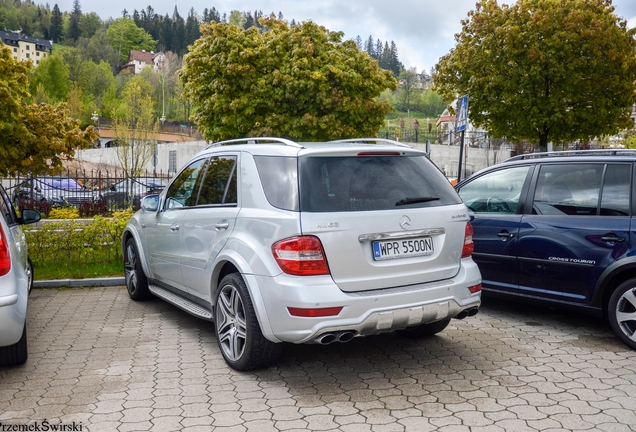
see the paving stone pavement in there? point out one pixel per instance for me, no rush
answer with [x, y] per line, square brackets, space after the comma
[110, 364]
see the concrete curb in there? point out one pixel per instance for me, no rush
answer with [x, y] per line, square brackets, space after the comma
[77, 283]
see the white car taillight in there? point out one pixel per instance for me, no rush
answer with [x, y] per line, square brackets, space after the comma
[5, 254]
[469, 246]
[301, 256]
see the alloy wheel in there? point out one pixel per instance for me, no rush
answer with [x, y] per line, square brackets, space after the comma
[626, 313]
[230, 321]
[130, 268]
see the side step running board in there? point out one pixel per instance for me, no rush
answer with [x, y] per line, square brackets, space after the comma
[182, 303]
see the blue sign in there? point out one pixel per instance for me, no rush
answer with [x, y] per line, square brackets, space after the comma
[462, 113]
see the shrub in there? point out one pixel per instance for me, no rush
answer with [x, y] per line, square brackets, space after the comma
[64, 213]
[69, 241]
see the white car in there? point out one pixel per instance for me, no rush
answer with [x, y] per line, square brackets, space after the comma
[277, 241]
[16, 280]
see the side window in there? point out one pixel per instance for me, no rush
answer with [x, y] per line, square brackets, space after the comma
[184, 189]
[571, 189]
[616, 189]
[219, 185]
[495, 192]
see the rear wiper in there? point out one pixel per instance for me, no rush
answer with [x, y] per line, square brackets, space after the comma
[407, 201]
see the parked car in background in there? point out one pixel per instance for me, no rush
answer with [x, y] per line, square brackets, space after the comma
[16, 281]
[277, 241]
[129, 192]
[56, 190]
[556, 228]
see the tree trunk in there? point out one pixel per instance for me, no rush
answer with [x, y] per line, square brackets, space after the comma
[543, 141]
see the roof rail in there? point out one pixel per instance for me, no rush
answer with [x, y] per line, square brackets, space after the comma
[371, 140]
[257, 140]
[599, 152]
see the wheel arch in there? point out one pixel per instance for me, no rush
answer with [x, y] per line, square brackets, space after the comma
[132, 234]
[614, 275]
[232, 262]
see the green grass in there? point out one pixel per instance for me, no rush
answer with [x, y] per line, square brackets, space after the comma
[46, 271]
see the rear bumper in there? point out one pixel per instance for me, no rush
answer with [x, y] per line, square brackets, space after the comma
[364, 313]
[13, 309]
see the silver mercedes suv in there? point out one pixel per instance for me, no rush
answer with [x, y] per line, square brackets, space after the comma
[277, 241]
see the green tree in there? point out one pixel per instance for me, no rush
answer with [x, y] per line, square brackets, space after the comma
[89, 24]
[123, 35]
[543, 70]
[57, 24]
[74, 31]
[407, 89]
[134, 128]
[53, 74]
[302, 82]
[33, 138]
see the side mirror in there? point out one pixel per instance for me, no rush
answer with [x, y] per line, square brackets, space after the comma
[28, 216]
[150, 203]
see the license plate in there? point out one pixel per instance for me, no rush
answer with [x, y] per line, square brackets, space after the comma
[391, 249]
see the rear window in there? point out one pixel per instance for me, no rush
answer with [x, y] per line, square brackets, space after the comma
[364, 183]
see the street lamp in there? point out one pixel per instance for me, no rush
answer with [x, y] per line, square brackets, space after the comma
[95, 118]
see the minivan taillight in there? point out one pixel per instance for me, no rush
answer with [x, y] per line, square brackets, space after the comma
[5, 254]
[469, 246]
[301, 256]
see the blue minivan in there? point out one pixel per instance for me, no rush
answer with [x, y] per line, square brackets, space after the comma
[556, 228]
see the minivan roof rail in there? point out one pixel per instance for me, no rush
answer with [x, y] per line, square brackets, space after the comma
[371, 140]
[598, 152]
[257, 140]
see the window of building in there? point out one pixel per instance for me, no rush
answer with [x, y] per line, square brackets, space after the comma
[37, 54]
[172, 161]
[15, 50]
[28, 47]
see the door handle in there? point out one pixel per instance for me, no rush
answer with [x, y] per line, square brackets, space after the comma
[505, 235]
[612, 239]
[222, 224]
[174, 227]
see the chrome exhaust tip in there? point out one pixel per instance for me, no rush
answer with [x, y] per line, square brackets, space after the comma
[463, 314]
[345, 336]
[326, 338]
[473, 312]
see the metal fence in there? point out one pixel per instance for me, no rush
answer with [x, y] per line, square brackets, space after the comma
[478, 139]
[92, 192]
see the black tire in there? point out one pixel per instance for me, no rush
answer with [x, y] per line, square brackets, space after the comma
[15, 354]
[424, 329]
[29, 272]
[621, 311]
[136, 280]
[238, 333]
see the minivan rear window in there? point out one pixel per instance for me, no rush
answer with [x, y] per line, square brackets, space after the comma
[365, 183]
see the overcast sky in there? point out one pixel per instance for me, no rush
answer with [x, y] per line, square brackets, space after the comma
[423, 30]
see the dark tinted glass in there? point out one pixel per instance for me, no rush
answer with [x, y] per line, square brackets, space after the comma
[182, 192]
[215, 185]
[616, 190]
[568, 189]
[279, 177]
[362, 183]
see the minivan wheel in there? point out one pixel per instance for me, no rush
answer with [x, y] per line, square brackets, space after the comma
[238, 333]
[136, 280]
[621, 312]
[17, 353]
[424, 329]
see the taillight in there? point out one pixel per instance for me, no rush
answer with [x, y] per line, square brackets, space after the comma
[469, 246]
[5, 254]
[474, 289]
[314, 312]
[301, 256]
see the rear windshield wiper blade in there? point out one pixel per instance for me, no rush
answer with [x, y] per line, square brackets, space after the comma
[407, 201]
